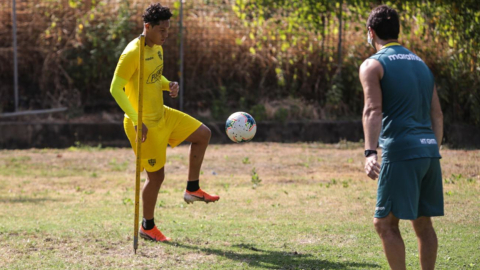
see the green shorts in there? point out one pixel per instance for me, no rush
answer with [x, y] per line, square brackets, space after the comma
[410, 189]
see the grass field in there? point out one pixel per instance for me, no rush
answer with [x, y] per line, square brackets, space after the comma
[282, 206]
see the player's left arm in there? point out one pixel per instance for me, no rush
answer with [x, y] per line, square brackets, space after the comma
[436, 116]
[371, 72]
[172, 87]
[165, 84]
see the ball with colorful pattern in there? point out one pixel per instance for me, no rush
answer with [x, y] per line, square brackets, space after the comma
[240, 127]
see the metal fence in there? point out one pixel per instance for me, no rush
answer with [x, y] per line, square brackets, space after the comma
[210, 57]
[17, 23]
[208, 28]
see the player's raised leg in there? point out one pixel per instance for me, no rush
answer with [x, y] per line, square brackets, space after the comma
[199, 140]
[150, 191]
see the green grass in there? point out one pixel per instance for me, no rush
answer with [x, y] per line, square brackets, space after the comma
[291, 206]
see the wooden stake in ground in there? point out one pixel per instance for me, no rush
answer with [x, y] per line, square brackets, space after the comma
[139, 142]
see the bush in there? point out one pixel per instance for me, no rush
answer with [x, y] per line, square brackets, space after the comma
[279, 60]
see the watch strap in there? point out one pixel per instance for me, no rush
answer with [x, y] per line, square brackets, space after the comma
[370, 152]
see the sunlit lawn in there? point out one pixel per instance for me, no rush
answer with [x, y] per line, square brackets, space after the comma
[282, 206]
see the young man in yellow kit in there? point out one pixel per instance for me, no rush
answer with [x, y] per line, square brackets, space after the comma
[161, 125]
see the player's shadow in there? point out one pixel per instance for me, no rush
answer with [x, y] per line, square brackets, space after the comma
[28, 200]
[268, 259]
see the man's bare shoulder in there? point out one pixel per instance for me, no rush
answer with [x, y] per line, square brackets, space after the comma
[371, 67]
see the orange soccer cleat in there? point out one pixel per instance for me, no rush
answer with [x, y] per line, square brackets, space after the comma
[154, 235]
[199, 196]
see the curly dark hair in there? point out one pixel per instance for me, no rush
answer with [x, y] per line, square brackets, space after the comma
[156, 13]
[384, 20]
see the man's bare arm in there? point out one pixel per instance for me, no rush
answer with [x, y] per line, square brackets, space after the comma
[436, 116]
[371, 72]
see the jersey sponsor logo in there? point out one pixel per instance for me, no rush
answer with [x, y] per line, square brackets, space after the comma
[401, 56]
[428, 141]
[152, 162]
[160, 55]
[150, 58]
[156, 75]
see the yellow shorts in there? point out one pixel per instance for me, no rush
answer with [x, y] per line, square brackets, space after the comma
[173, 129]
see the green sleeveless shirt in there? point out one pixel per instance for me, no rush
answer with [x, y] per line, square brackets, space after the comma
[407, 90]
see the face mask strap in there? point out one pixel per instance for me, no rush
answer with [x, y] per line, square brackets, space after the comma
[369, 39]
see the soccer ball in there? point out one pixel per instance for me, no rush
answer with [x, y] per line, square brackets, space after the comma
[240, 127]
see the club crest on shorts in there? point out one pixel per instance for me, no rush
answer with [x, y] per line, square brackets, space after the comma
[152, 162]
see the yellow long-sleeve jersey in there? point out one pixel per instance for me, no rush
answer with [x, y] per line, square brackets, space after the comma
[126, 77]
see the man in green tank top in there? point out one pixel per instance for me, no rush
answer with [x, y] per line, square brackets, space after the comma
[402, 114]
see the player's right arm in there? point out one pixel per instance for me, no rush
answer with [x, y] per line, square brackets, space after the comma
[436, 117]
[371, 72]
[116, 89]
[126, 67]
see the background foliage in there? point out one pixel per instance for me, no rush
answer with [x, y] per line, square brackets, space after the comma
[446, 34]
[279, 60]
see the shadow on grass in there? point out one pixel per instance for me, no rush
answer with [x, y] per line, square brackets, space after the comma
[27, 200]
[268, 259]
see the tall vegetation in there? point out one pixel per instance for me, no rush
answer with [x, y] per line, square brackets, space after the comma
[305, 36]
[277, 59]
[87, 45]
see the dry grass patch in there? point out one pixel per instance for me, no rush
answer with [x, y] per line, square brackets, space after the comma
[309, 206]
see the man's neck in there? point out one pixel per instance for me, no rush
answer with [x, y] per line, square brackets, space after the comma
[148, 42]
[380, 43]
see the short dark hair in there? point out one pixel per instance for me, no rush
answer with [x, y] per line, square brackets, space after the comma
[156, 13]
[384, 20]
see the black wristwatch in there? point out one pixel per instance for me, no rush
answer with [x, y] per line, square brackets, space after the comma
[369, 152]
